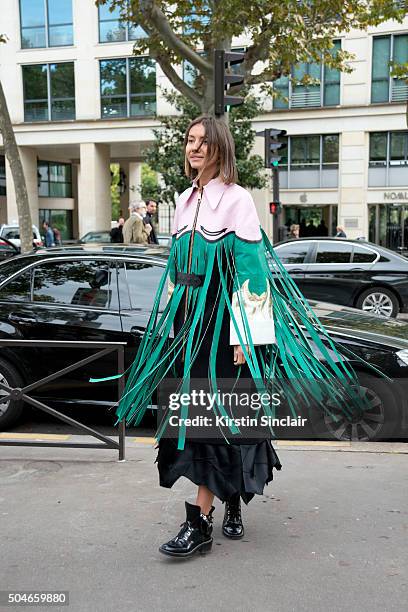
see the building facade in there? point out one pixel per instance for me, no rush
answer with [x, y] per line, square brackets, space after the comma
[80, 100]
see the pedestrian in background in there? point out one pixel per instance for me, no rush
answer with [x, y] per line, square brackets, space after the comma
[340, 232]
[49, 239]
[294, 231]
[116, 233]
[57, 236]
[151, 206]
[135, 231]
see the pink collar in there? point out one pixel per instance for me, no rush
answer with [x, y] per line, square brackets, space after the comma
[214, 190]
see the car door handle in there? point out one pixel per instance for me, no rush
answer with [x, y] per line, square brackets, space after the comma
[356, 269]
[22, 320]
[296, 270]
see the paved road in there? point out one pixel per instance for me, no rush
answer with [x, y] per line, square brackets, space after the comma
[329, 534]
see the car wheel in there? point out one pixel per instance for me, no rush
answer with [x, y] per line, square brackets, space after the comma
[10, 410]
[378, 301]
[380, 420]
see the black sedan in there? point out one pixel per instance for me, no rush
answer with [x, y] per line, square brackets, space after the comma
[106, 294]
[349, 272]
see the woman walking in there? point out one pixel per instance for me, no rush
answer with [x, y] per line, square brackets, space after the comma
[236, 314]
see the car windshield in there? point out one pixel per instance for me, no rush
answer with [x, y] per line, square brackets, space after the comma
[13, 233]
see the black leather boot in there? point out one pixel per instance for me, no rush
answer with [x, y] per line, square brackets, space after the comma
[232, 526]
[195, 534]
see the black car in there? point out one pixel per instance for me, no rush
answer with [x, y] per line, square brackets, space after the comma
[106, 294]
[349, 272]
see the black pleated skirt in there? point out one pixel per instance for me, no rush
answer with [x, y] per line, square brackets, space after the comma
[245, 465]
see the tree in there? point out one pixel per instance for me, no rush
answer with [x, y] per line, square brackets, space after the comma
[282, 34]
[17, 172]
[166, 153]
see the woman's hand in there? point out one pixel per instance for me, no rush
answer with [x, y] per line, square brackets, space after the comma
[239, 357]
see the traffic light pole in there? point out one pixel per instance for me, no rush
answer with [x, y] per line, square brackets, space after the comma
[276, 218]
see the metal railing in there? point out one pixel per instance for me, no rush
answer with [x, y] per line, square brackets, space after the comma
[23, 393]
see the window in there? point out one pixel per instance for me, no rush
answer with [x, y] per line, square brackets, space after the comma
[293, 252]
[138, 285]
[49, 92]
[18, 289]
[114, 29]
[55, 179]
[333, 253]
[76, 283]
[316, 154]
[2, 176]
[361, 255]
[324, 93]
[386, 50]
[58, 219]
[46, 23]
[388, 159]
[128, 87]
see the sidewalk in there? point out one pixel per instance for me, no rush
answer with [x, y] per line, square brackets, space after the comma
[329, 533]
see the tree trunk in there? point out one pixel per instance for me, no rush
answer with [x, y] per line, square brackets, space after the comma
[13, 157]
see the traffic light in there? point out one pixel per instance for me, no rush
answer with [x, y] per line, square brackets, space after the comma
[274, 147]
[223, 78]
[275, 208]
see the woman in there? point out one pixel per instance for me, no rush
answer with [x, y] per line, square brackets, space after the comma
[294, 231]
[235, 315]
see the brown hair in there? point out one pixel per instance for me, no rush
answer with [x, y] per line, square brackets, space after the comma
[220, 148]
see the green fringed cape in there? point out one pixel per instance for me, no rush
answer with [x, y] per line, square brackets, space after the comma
[265, 302]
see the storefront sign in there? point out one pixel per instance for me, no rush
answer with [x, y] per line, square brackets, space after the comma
[396, 195]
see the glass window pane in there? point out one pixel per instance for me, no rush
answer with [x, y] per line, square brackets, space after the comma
[59, 12]
[36, 111]
[60, 173]
[380, 69]
[62, 110]
[281, 85]
[42, 169]
[62, 220]
[401, 49]
[335, 252]
[331, 95]
[2, 175]
[43, 190]
[60, 190]
[62, 80]
[293, 252]
[61, 35]
[135, 32]
[112, 31]
[32, 38]
[398, 146]
[378, 148]
[330, 149]
[305, 152]
[114, 107]
[105, 13]
[139, 282]
[35, 82]
[361, 255]
[18, 290]
[74, 283]
[142, 75]
[113, 77]
[32, 13]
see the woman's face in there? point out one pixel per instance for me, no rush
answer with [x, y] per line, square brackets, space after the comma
[196, 148]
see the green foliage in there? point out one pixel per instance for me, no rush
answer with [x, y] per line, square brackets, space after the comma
[150, 184]
[166, 155]
[115, 196]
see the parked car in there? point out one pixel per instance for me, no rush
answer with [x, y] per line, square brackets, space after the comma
[7, 249]
[348, 272]
[105, 293]
[12, 233]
